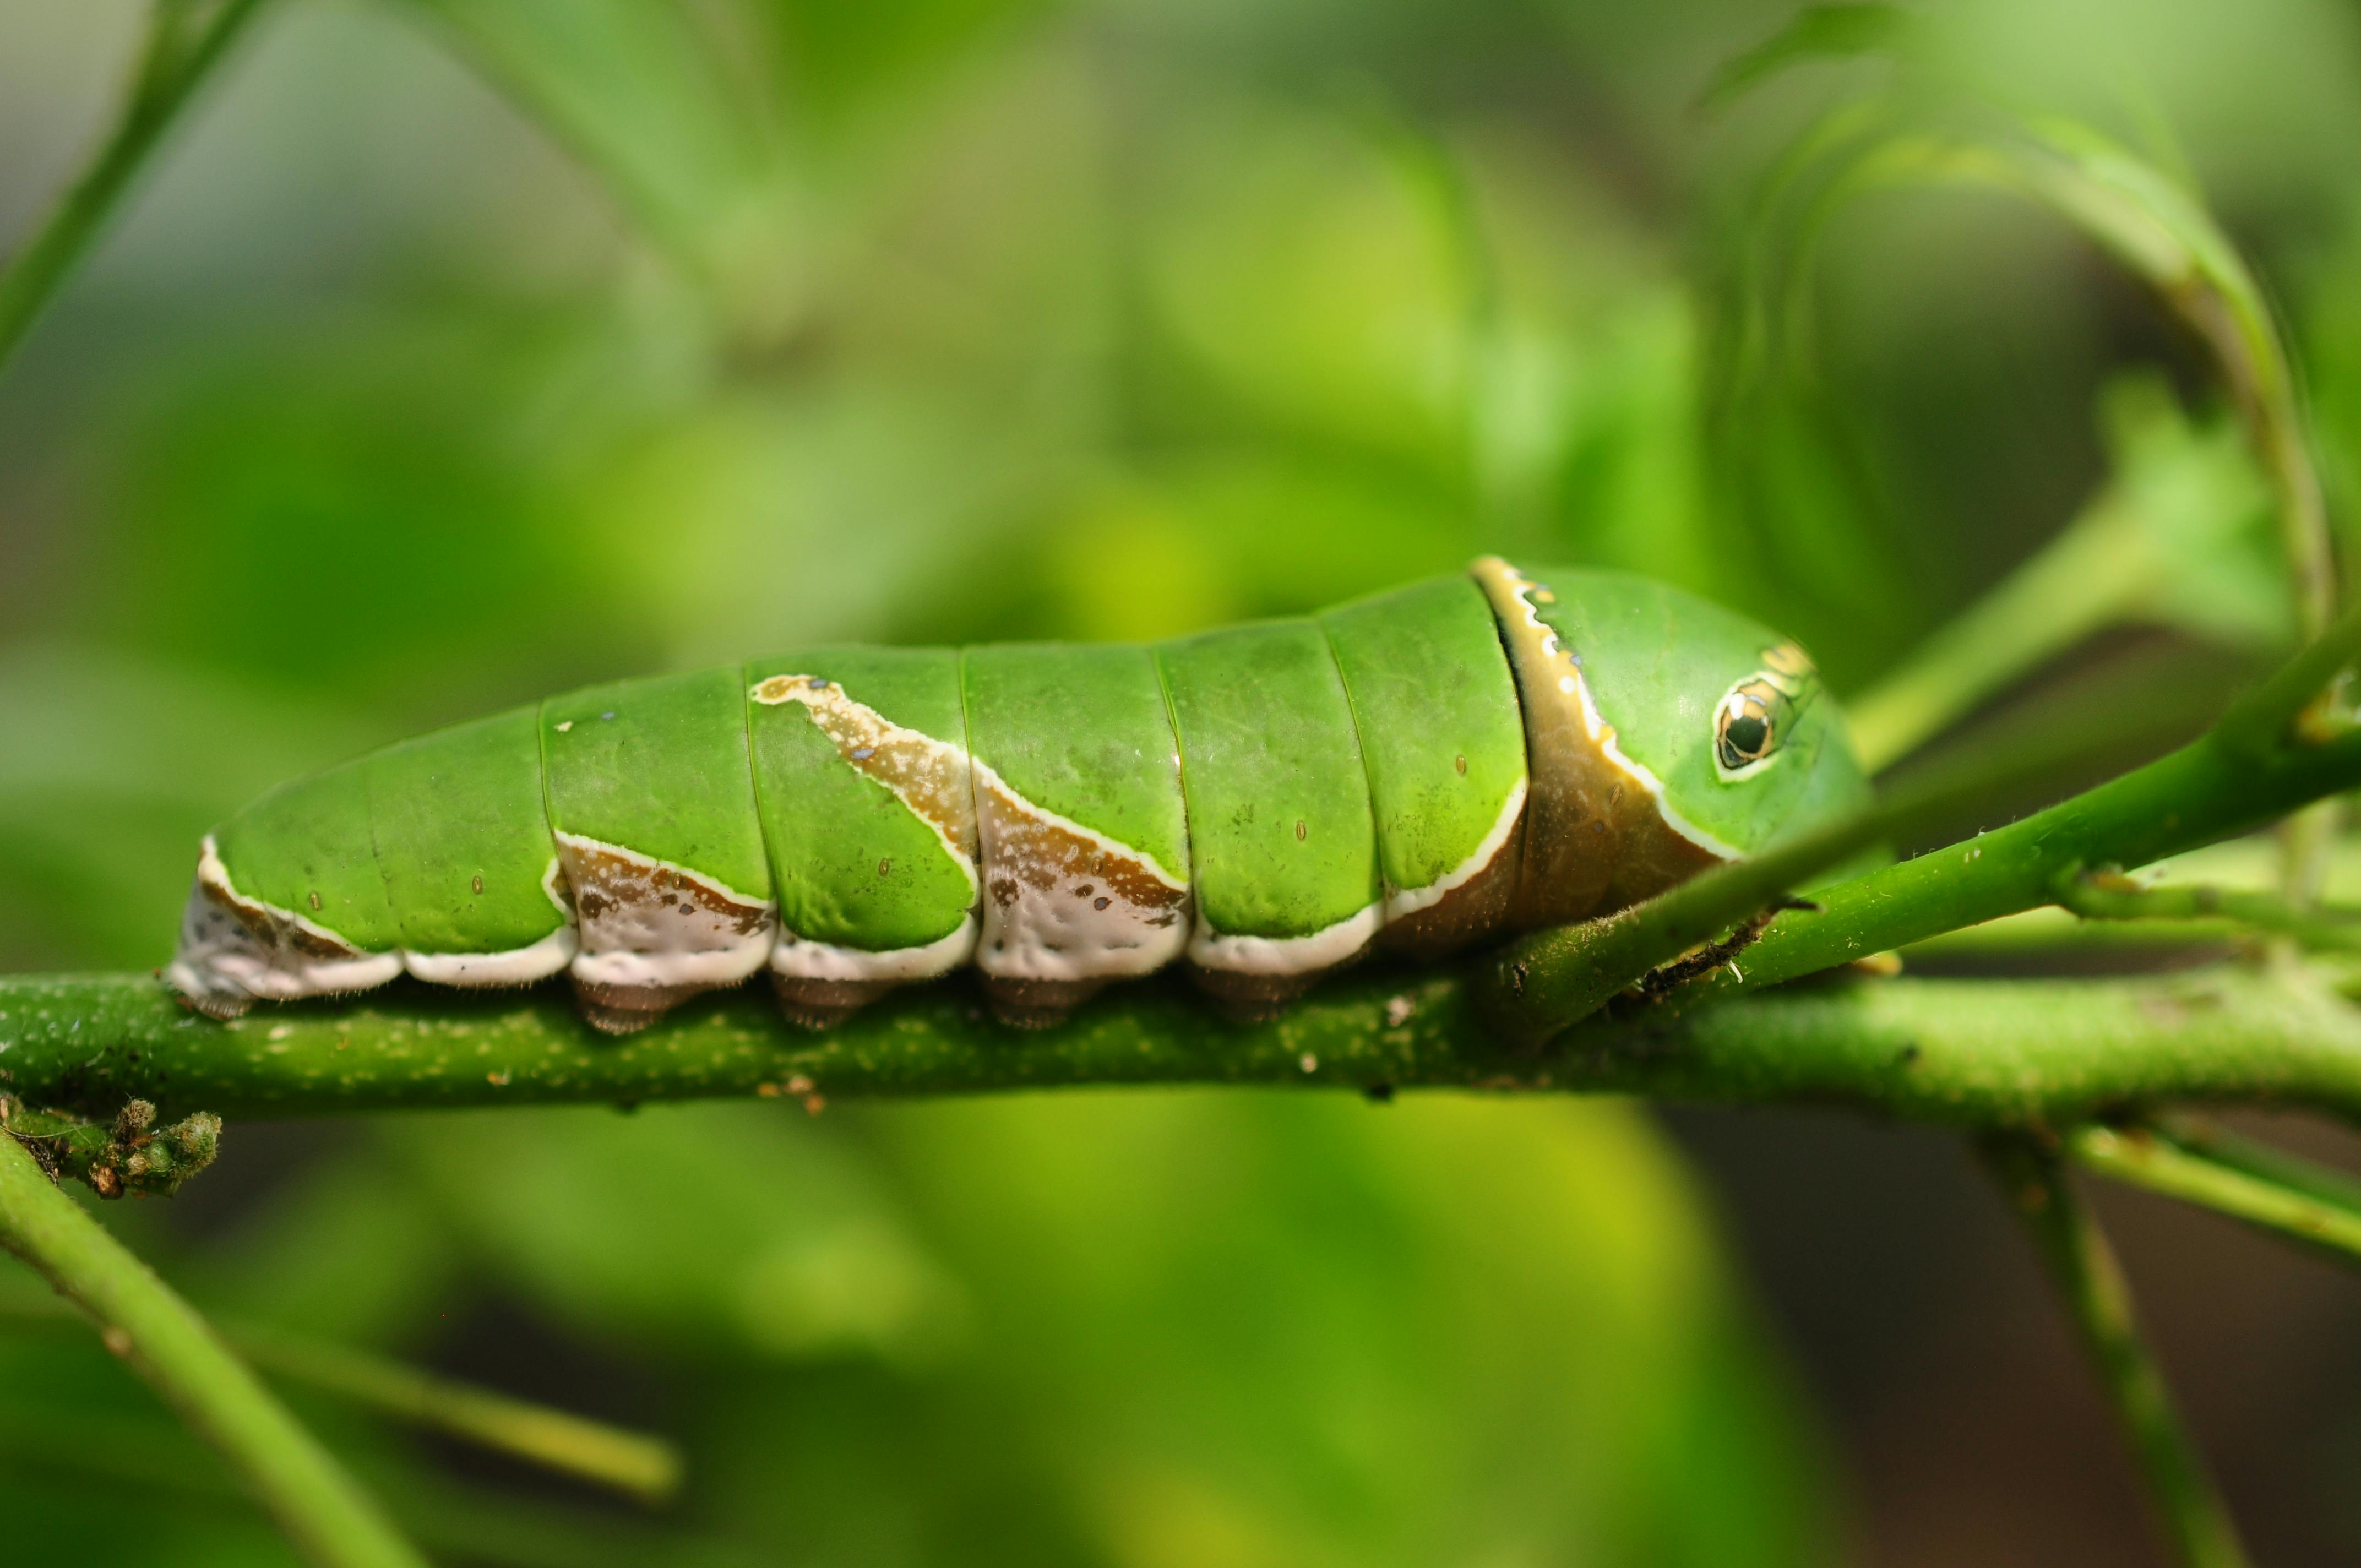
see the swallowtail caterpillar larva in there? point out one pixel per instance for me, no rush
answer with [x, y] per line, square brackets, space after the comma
[1420, 772]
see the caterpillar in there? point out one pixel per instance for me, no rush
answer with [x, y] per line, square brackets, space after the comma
[1417, 771]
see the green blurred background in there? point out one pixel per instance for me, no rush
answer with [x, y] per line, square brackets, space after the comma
[463, 350]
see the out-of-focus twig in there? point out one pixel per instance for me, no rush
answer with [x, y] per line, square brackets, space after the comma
[638, 1464]
[186, 39]
[2091, 1281]
[323, 1510]
[2142, 1158]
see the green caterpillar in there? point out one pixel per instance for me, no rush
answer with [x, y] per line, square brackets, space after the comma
[1420, 771]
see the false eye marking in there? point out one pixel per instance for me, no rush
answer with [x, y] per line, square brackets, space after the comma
[1754, 714]
[1746, 731]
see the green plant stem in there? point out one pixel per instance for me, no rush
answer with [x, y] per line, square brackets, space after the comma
[1968, 1054]
[2202, 1136]
[319, 1507]
[2332, 930]
[2269, 715]
[2087, 1277]
[2161, 231]
[2143, 1159]
[635, 1464]
[173, 62]
[460, 1523]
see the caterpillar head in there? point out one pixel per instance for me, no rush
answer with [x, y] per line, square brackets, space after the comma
[1717, 725]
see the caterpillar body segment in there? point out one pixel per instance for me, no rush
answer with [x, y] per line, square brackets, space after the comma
[1419, 771]
[651, 805]
[1282, 842]
[1080, 819]
[868, 813]
[1442, 736]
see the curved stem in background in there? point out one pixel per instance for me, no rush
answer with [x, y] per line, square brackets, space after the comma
[320, 1507]
[180, 52]
[640, 1466]
[2090, 1280]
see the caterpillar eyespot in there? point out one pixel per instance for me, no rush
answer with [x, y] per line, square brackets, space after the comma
[1419, 771]
[1751, 720]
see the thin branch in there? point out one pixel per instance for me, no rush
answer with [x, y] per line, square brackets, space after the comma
[2202, 794]
[2143, 1159]
[2107, 896]
[2204, 791]
[2160, 229]
[2271, 715]
[177, 56]
[642, 1467]
[460, 1523]
[1544, 981]
[320, 1507]
[2203, 1137]
[2084, 1269]
[638, 1464]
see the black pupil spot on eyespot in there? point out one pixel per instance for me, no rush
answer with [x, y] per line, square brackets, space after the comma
[1746, 733]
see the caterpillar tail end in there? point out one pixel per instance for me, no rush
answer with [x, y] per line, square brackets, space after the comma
[214, 942]
[208, 993]
[235, 950]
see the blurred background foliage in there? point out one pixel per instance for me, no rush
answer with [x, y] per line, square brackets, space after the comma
[458, 351]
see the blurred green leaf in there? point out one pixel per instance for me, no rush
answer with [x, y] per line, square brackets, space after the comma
[113, 766]
[2181, 536]
[1265, 1328]
[352, 1252]
[717, 1230]
[1307, 270]
[1817, 32]
[836, 60]
[360, 507]
[647, 94]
